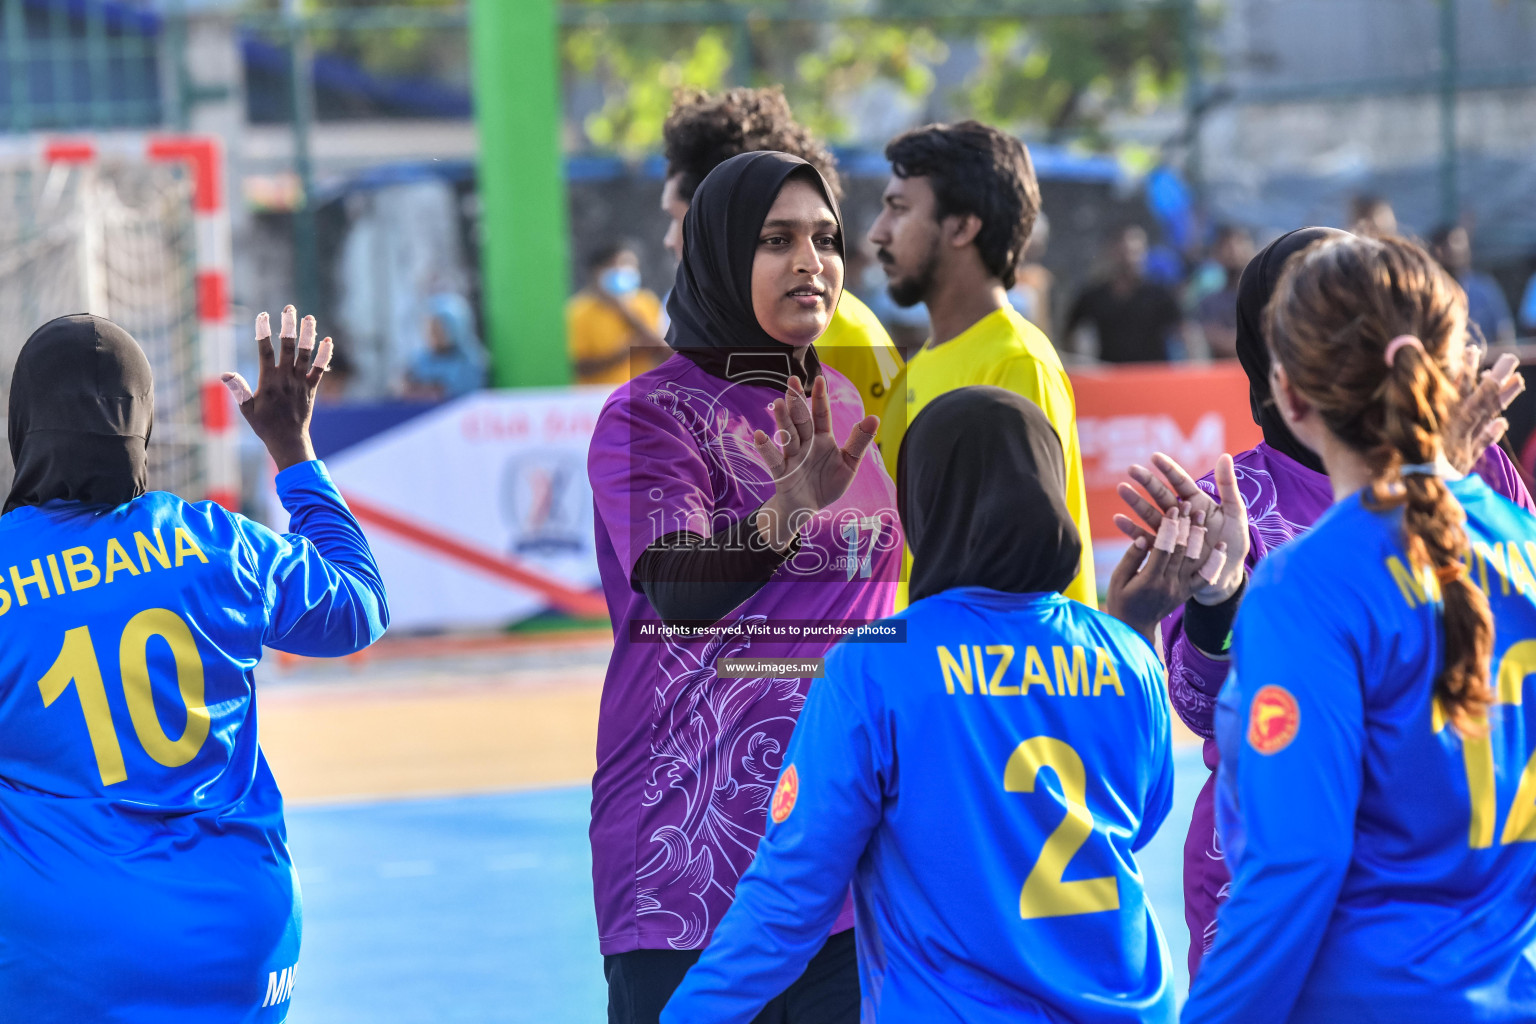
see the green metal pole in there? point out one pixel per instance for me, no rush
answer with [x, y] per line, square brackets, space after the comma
[1450, 205]
[524, 263]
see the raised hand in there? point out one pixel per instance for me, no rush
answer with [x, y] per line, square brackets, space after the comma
[808, 468]
[1225, 524]
[1478, 421]
[1155, 576]
[279, 409]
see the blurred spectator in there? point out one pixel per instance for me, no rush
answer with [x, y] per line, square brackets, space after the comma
[612, 319]
[1216, 312]
[1372, 216]
[1486, 305]
[1134, 319]
[1031, 291]
[453, 363]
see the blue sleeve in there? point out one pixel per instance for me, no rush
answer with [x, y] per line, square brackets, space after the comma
[322, 590]
[1160, 793]
[1291, 836]
[788, 899]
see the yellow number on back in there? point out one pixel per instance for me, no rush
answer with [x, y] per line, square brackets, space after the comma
[1044, 893]
[1477, 757]
[77, 664]
[133, 660]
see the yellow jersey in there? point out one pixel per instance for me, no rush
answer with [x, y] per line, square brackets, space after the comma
[857, 346]
[595, 330]
[1007, 351]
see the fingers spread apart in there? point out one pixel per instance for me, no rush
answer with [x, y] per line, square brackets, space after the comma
[1214, 564]
[264, 340]
[1149, 513]
[321, 364]
[1168, 531]
[1134, 530]
[1182, 536]
[1196, 541]
[772, 456]
[861, 437]
[238, 387]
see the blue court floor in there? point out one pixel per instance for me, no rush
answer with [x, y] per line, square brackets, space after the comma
[479, 910]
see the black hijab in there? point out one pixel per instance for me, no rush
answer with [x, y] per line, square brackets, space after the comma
[1254, 291]
[713, 322]
[82, 405]
[981, 486]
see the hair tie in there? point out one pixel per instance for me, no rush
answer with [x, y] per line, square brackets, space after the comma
[1421, 469]
[1400, 342]
[1451, 573]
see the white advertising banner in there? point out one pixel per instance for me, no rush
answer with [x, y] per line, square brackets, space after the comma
[479, 511]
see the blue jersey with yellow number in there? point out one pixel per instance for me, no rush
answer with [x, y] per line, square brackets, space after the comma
[1383, 867]
[144, 869]
[985, 785]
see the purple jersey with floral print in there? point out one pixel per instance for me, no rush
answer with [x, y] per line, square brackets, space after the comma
[1283, 499]
[687, 760]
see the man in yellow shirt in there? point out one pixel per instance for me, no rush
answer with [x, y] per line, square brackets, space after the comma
[612, 325]
[703, 131]
[954, 220]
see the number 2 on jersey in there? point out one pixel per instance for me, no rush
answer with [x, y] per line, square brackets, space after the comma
[1044, 893]
[77, 663]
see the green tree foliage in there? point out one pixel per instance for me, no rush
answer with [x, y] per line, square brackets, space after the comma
[1065, 75]
[638, 69]
[1061, 75]
[1049, 71]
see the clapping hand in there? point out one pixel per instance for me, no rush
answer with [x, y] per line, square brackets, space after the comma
[1186, 545]
[1479, 420]
[809, 470]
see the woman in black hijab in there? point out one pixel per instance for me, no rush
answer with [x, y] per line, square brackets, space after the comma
[144, 867]
[1253, 291]
[81, 408]
[918, 770]
[987, 515]
[730, 522]
[1277, 490]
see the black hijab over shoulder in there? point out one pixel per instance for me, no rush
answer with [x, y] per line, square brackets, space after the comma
[82, 405]
[981, 486]
[713, 322]
[1254, 291]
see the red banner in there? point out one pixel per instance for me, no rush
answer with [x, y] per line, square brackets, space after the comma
[1193, 413]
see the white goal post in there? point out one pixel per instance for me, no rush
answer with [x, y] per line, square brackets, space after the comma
[133, 227]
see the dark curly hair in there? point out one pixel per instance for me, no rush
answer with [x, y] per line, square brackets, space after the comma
[704, 131]
[975, 169]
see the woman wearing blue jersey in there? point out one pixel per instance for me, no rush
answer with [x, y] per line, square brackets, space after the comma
[1375, 797]
[987, 780]
[144, 868]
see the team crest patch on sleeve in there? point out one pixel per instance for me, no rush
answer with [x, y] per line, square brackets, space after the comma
[784, 796]
[1273, 719]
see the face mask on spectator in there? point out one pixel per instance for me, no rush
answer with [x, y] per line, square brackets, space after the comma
[620, 281]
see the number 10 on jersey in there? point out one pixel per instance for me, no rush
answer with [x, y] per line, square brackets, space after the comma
[77, 663]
